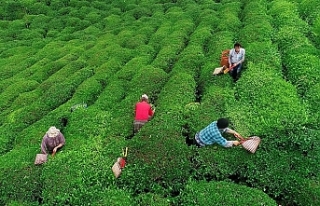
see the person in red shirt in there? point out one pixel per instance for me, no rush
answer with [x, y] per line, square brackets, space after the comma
[143, 113]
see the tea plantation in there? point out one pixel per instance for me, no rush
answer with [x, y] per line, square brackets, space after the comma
[57, 55]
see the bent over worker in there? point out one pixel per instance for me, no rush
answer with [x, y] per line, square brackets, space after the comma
[143, 113]
[52, 141]
[213, 134]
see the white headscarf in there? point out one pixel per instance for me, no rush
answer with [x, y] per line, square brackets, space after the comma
[53, 132]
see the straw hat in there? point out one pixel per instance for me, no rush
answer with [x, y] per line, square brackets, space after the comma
[53, 132]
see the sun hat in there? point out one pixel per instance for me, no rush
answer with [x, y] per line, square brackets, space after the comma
[53, 132]
[144, 96]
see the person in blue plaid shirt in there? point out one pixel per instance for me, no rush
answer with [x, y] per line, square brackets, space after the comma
[213, 134]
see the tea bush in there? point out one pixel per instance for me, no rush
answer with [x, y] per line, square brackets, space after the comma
[147, 80]
[308, 11]
[272, 113]
[87, 91]
[191, 60]
[316, 31]
[11, 92]
[114, 92]
[127, 72]
[286, 13]
[82, 170]
[222, 193]
[107, 53]
[301, 69]
[19, 179]
[312, 97]
[154, 162]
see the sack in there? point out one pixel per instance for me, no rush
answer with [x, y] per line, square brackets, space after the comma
[218, 70]
[40, 159]
[225, 58]
[251, 144]
[116, 168]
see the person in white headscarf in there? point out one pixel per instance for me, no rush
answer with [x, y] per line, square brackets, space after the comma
[52, 141]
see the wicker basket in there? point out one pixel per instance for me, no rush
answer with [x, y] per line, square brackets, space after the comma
[251, 144]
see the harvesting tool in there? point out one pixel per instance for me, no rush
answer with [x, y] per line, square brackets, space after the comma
[250, 144]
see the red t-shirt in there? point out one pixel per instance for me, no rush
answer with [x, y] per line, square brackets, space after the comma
[143, 111]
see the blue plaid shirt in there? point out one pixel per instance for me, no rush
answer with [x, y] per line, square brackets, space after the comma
[211, 134]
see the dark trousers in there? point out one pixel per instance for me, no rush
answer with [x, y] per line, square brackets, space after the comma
[192, 141]
[235, 72]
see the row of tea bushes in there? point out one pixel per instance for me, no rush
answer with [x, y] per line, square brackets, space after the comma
[300, 57]
[218, 99]
[262, 110]
[47, 96]
[222, 193]
[154, 156]
[309, 12]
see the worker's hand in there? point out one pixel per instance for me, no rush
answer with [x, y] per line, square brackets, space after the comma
[236, 134]
[236, 143]
[54, 150]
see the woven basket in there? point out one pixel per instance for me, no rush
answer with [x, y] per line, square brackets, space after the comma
[40, 159]
[251, 143]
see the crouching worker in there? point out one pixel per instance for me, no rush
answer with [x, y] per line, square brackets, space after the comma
[213, 134]
[143, 113]
[236, 58]
[52, 141]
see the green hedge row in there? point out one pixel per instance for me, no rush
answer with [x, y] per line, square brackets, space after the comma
[316, 31]
[308, 10]
[300, 57]
[173, 44]
[13, 64]
[222, 193]
[228, 165]
[14, 90]
[268, 103]
[155, 164]
[286, 13]
[52, 98]
[313, 97]
[286, 134]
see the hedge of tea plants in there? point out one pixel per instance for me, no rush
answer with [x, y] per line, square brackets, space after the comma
[82, 65]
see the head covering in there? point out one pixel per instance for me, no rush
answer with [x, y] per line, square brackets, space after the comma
[53, 132]
[144, 96]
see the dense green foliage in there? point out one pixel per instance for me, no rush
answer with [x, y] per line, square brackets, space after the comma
[58, 54]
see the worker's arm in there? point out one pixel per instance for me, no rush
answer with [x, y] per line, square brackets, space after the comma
[62, 141]
[225, 143]
[233, 132]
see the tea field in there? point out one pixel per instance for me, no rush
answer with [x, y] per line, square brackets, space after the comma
[57, 55]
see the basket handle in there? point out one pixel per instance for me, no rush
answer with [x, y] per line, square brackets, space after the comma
[240, 138]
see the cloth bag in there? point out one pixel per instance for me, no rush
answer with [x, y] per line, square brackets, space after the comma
[40, 159]
[120, 163]
[116, 168]
[218, 70]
